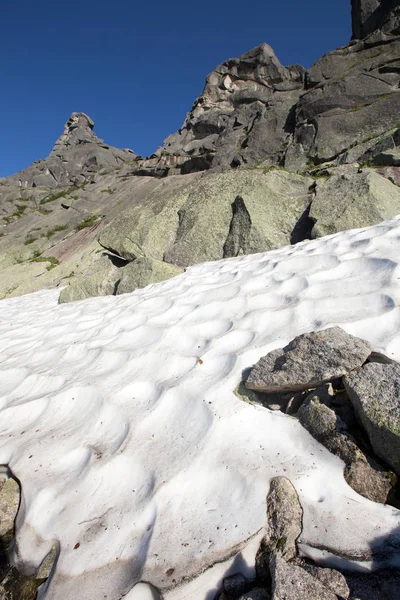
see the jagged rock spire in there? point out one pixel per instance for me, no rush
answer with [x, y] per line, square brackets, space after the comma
[77, 130]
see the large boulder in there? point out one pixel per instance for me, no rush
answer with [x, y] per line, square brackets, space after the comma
[348, 201]
[238, 212]
[375, 394]
[308, 361]
[292, 582]
[142, 272]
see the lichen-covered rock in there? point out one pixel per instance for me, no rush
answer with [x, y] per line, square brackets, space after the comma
[100, 280]
[308, 361]
[238, 212]
[353, 200]
[375, 394]
[142, 272]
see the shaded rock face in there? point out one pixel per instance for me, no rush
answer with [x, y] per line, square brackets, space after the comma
[370, 15]
[253, 109]
[77, 155]
[242, 115]
[375, 394]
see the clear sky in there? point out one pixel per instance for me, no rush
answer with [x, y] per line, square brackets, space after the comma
[136, 67]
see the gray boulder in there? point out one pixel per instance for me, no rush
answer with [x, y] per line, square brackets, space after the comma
[331, 579]
[348, 201]
[363, 474]
[375, 394]
[308, 361]
[284, 518]
[284, 524]
[290, 582]
[142, 272]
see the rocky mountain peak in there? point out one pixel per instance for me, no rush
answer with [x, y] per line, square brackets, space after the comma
[77, 130]
[77, 156]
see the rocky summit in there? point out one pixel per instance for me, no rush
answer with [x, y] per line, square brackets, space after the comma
[268, 155]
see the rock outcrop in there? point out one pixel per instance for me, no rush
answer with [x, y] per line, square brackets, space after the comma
[77, 155]
[268, 155]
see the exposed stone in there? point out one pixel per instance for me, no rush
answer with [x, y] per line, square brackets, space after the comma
[101, 280]
[330, 578]
[349, 201]
[9, 503]
[241, 115]
[284, 515]
[364, 475]
[77, 155]
[292, 582]
[142, 272]
[309, 360]
[238, 212]
[370, 15]
[375, 394]
[369, 480]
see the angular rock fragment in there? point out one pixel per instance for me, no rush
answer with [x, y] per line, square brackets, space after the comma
[309, 360]
[284, 525]
[330, 578]
[290, 582]
[364, 475]
[375, 394]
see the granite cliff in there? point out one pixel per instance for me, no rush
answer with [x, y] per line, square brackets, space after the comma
[268, 155]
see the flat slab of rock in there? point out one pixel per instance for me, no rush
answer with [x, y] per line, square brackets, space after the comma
[375, 394]
[309, 360]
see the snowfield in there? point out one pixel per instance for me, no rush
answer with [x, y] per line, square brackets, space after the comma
[135, 456]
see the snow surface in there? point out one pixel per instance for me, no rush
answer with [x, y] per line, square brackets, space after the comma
[136, 458]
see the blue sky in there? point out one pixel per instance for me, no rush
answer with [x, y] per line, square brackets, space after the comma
[135, 68]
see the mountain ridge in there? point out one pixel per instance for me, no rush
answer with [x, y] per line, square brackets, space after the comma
[263, 155]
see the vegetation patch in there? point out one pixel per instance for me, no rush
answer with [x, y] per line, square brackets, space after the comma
[58, 195]
[37, 257]
[44, 211]
[54, 230]
[30, 240]
[88, 222]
